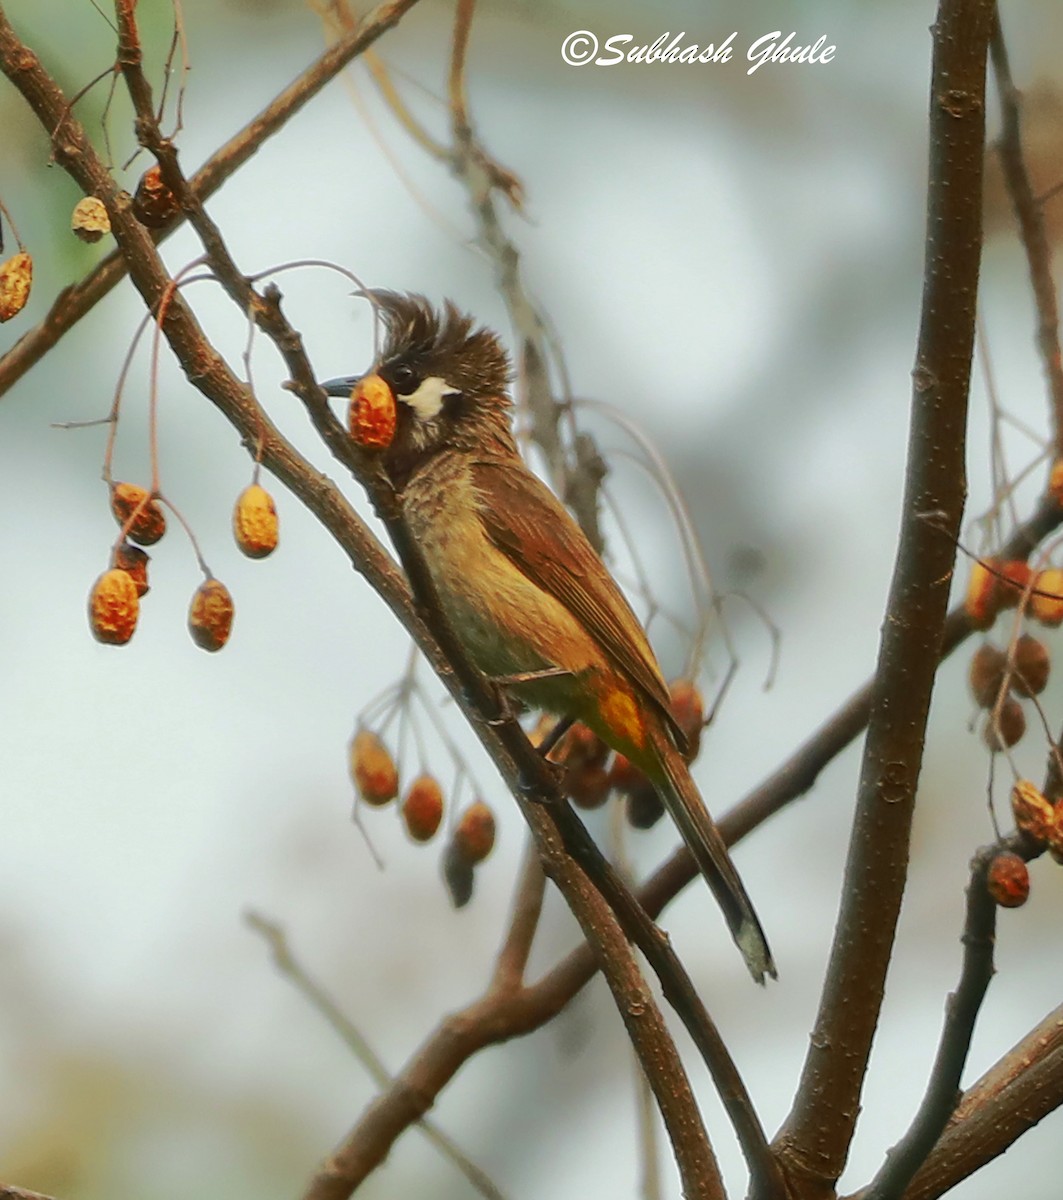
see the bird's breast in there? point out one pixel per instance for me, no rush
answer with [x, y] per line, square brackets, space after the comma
[508, 624]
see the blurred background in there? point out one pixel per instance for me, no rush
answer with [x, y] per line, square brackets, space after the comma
[732, 261]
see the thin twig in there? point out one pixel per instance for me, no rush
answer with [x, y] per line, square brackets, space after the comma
[1031, 229]
[1019, 1090]
[290, 967]
[943, 1090]
[512, 959]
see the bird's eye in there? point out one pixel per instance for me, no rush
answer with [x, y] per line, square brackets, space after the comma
[404, 378]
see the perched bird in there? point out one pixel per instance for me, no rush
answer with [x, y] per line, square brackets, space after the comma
[520, 583]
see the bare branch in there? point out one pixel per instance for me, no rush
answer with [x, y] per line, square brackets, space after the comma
[1010, 1098]
[1031, 229]
[813, 1148]
[943, 1090]
[74, 302]
[527, 908]
[292, 969]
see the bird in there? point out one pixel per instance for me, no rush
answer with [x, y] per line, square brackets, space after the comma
[530, 600]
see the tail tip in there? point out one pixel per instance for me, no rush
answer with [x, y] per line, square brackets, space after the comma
[751, 942]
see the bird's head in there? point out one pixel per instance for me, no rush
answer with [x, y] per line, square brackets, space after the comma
[449, 378]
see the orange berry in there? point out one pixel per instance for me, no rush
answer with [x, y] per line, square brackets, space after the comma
[210, 616]
[1034, 815]
[134, 562]
[1008, 880]
[475, 832]
[422, 810]
[1046, 603]
[255, 524]
[16, 279]
[113, 607]
[623, 775]
[580, 747]
[986, 674]
[372, 414]
[587, 786]
[373, 769]
[1014, 579]
[1031, 666]
[153, 204]
[688, 709]
[983, 600]
[149, 524]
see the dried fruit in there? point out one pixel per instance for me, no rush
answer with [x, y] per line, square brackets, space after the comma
[372, 414]
[149, 524]
[113, 607]
[16, 279]
[154, 204]
[579, 747]
[457, 874]
[688, 709]
[587, 786]
[1007, 729]
[986, 674]
[255, 524]
[134, 562]
[1055, 481]
[373, 769]
[644, 807]
[89, 220]
[1034, 815]
[422, 810]
[1046, 603]
[475, 832]
[1031, 666]
[624, 776]
[1014, 579]
[1008, 880]
[210, 616]
[982, 601]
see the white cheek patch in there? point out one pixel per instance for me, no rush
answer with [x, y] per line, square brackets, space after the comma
[427, 401]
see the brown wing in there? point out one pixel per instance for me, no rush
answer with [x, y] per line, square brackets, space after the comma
[527, 522]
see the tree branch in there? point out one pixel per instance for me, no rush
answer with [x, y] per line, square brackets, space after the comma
[503, 738]
[1031, 229]
[1010, 1098]
[290, 967]
[943, 1090]
[814, 1141]
[75, 301]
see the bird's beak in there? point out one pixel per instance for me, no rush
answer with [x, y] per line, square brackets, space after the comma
[340, 387]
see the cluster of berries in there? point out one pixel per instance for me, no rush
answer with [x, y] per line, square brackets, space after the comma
[472, 838]
[114, 602]
[1041, 824]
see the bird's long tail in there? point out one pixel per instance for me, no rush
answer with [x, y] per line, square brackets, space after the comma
[686, 808]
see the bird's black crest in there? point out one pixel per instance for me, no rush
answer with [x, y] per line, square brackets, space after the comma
[447, 338]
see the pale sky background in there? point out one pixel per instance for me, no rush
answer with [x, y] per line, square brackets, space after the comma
[735, 263]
